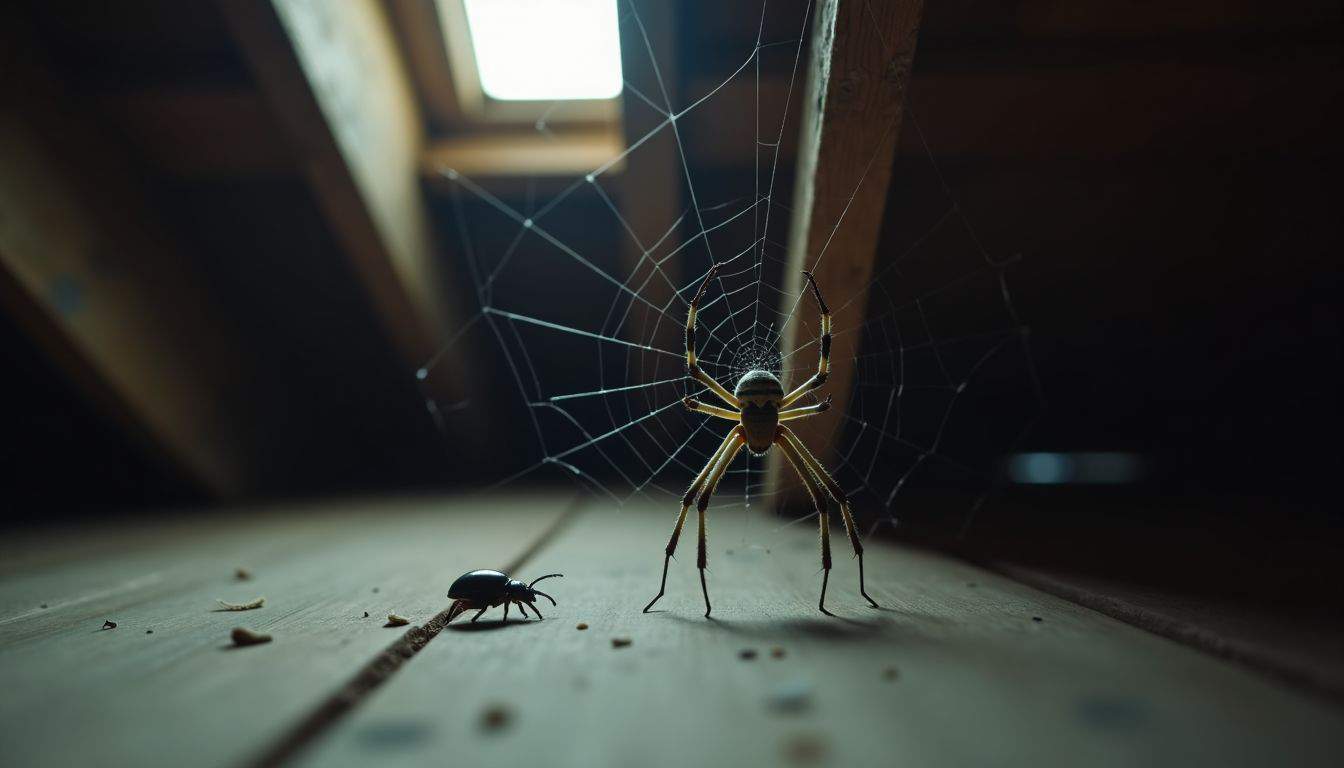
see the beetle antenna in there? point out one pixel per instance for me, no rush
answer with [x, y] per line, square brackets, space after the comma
[548, 597]
[547, 576]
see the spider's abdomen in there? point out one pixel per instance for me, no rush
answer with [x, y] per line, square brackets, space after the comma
[760, 393]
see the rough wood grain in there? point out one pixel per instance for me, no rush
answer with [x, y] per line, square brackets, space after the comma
[977, 680]
[857, 74]
[75, 694]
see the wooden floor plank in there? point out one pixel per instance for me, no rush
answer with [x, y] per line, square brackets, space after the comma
[77, 694]
[978, 679]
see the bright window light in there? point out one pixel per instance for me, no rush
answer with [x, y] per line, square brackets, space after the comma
[546, 50]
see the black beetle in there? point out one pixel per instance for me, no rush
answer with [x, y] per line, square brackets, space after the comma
[486, 589]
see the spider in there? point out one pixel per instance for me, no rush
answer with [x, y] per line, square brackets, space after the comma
[759, 405]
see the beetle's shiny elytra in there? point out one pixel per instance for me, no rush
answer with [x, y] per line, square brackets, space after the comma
[483, 590]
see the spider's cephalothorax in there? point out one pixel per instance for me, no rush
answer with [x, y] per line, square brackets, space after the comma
[760, 406]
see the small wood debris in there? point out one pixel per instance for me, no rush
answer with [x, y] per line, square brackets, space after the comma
[242, 574]
[366, 614]
[805, 749]
[393, 620]
[242, 636]
[496, 717]
[149, 631]
[620, 642]
[109, 624]
[227, 606]
[777, 652]
[1037, 619]
[890, 673]
[44, 605]
[581, 626]
[747, 654]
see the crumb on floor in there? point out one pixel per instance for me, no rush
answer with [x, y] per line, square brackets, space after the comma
[620, 642]
[496, 717]
[393, 620]
[242, 636]
[805, 749]
[227, 606]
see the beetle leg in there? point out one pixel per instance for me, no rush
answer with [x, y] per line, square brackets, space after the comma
[456, 609]
[506, 610]
[478, 614]
[522, 608]
[534, 610]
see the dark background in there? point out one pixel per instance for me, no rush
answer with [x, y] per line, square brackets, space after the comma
[1169, 178]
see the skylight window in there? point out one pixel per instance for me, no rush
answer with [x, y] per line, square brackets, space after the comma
[546, 50]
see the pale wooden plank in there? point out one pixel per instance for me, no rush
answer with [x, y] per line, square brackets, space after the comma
[979, 682]
[76, 694]
[858, 69]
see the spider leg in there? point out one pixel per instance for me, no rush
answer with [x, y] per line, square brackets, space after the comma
[814, 490]
[806, 410]
[823, 364]
[840, 497]
[723, 413]
[692, 367]
[711, 483]
[686, 505]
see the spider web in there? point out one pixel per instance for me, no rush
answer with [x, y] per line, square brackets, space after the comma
[590, 339]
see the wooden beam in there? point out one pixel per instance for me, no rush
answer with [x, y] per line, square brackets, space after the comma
[87, 272]
[420, 32]
[525, 154]
[334, 76]
[1142, 107]
[650, 192]
[856, 79]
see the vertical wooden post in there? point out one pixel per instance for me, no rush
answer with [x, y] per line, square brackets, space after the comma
[651, 183]
[856, 79]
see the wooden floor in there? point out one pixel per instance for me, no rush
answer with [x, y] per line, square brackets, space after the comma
[960, 667]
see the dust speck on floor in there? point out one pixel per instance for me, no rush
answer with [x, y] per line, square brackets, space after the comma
[496, 717]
